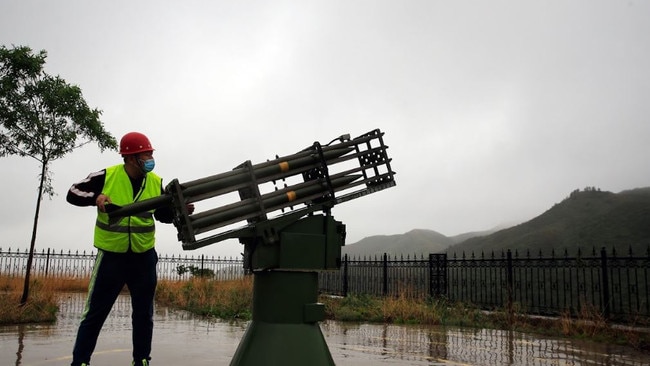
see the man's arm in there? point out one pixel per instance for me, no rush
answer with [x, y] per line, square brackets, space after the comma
[85, 192]
[164, 214]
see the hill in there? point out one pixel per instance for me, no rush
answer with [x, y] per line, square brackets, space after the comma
[415, 242]
[586, 219]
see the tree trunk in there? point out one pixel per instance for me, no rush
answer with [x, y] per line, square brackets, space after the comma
[28, 270]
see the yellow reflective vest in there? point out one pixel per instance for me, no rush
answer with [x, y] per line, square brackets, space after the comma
[135, 232]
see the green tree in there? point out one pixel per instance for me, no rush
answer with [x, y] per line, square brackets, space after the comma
[44, 118]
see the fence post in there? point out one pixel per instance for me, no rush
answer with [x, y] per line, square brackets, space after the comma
[605, 282]
[431, 275]
[47, 262]
[385, 284]
[345, 276]
[437, 275]
[509, 279]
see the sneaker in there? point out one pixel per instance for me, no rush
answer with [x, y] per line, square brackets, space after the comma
[144, 362]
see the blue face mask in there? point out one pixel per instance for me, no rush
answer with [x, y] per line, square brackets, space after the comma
[148, 165]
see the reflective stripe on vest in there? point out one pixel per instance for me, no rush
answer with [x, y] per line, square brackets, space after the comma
[135, 232]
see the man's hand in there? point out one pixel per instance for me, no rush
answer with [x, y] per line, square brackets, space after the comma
[101, 202]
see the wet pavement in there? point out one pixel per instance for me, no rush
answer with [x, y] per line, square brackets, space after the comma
[183, 339]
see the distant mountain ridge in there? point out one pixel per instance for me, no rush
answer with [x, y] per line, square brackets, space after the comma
[586, 219]
[415, 242]
[418, 241]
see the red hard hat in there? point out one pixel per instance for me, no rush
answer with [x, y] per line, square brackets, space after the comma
[133, 143]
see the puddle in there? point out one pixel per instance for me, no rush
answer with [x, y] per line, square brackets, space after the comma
[182, 338]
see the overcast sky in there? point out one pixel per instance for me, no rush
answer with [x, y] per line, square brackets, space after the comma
[493, 110]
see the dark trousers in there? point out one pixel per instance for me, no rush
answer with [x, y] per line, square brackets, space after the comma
[111, 272]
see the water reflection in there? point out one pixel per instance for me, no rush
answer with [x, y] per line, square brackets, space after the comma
[21, 346]
[181, 338]
[451, 345]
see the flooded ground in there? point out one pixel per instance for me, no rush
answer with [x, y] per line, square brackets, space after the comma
[183, 339]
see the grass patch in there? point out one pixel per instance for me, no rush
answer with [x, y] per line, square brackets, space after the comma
[588, 324]
[207, 297]
[42, 303]
[401, 310]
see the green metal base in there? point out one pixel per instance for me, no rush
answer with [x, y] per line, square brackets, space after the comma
[282, 344]
[285, 329]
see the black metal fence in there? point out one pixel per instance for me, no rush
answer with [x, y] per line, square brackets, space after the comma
[385, 276]
[618, 287]
[50, 263]
[613, 286]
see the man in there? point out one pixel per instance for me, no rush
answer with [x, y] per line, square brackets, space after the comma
[125, 249]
